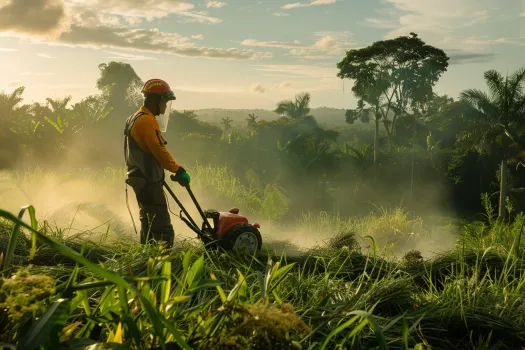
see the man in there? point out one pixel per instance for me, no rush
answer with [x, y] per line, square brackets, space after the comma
[147, 157]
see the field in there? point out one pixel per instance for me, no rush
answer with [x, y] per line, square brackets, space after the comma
[397, 224]
[363, 285]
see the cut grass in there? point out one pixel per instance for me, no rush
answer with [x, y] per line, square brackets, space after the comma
[339, 295]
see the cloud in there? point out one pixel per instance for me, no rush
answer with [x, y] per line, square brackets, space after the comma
[220, 89]
[299, 70]
[260, 89]
[13, 83]
[312, 3]
[326, 42]
[280, 14]
[128, 57]
[34, 17]
[278, 44]
[216, 4]
[257, 88]
[150, 40]
[44, 55]
[37, 74]
[134, 11]
[424, 18]
[197, 37]
[307, 54]
[463, 57]
[472, 41]
[326, 45]
[7, 49]
[200, 17]
[292, 87]
[91, 29]
[381, 23]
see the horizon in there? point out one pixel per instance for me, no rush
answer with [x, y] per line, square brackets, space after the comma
[239, 55]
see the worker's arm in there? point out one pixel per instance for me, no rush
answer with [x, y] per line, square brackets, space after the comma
[156, 145]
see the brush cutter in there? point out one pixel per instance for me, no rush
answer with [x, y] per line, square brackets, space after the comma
[230, 230]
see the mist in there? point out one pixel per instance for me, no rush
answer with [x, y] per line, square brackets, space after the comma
[306, 176]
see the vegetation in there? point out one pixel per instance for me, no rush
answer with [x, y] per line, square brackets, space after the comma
[382, 199]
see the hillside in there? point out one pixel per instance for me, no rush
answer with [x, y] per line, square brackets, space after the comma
[326, 116]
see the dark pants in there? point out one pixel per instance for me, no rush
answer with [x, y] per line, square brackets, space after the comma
[154, 216]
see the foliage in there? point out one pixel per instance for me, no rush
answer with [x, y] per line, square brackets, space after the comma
[390, 78]
[327, 297]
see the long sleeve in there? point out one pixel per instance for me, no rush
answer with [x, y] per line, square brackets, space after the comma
[150, 139]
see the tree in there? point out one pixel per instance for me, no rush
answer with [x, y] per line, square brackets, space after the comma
[392, 76]
[497, 121]
[294, 110]
[252, 120]
[121, 85]
[226, 125]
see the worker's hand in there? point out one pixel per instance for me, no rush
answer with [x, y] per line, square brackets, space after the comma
[182, 177]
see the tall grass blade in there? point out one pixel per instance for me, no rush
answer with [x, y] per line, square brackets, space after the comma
[48, 328]
[15, 233]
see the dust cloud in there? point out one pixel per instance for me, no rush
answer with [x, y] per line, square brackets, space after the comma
[93, 203]
[81, 197]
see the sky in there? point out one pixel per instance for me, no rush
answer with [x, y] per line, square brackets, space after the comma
[244, 53]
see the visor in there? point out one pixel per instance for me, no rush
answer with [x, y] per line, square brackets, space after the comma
[163, 119]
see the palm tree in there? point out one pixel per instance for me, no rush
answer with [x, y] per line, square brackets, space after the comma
[226, 123]
[294, 110]
[227, 126]
[497, 117]
[252, 120]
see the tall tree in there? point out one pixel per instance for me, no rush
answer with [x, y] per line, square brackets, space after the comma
[498, 119]
[119, 82]
[392, 76]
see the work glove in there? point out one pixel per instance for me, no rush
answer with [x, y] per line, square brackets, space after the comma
[182, 177]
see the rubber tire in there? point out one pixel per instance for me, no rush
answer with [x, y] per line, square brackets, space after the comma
[228, 242]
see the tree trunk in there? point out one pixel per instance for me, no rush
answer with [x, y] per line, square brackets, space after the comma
[502, 189]
[376, 141]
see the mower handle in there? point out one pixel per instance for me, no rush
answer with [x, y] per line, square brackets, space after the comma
[184, 209]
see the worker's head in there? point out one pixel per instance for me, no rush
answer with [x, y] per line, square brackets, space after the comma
[157, 99]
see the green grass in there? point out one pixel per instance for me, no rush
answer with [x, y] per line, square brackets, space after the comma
[357, 289]
[331, 296]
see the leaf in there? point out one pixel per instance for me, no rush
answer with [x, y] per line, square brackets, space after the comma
[222, 295]
[68, 330]
[118, 334]
[280, 275]
[48, 327]
[165, 286]
[195, 273]
[132, 329]
[179, 299]
[16, 232]
[55, 125]
[369, 318]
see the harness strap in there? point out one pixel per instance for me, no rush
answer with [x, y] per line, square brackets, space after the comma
[127, 130]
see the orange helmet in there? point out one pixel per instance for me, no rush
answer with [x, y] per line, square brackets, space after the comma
[159, 87]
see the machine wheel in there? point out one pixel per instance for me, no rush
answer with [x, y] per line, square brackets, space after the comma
[243, 238]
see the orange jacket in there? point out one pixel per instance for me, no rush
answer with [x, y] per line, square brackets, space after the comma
[147, 135]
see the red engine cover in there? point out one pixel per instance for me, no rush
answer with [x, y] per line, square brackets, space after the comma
[227, 220]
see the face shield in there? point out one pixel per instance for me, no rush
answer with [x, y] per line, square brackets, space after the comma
[165, 109]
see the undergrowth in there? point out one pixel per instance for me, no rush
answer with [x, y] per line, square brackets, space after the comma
[60, 290]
